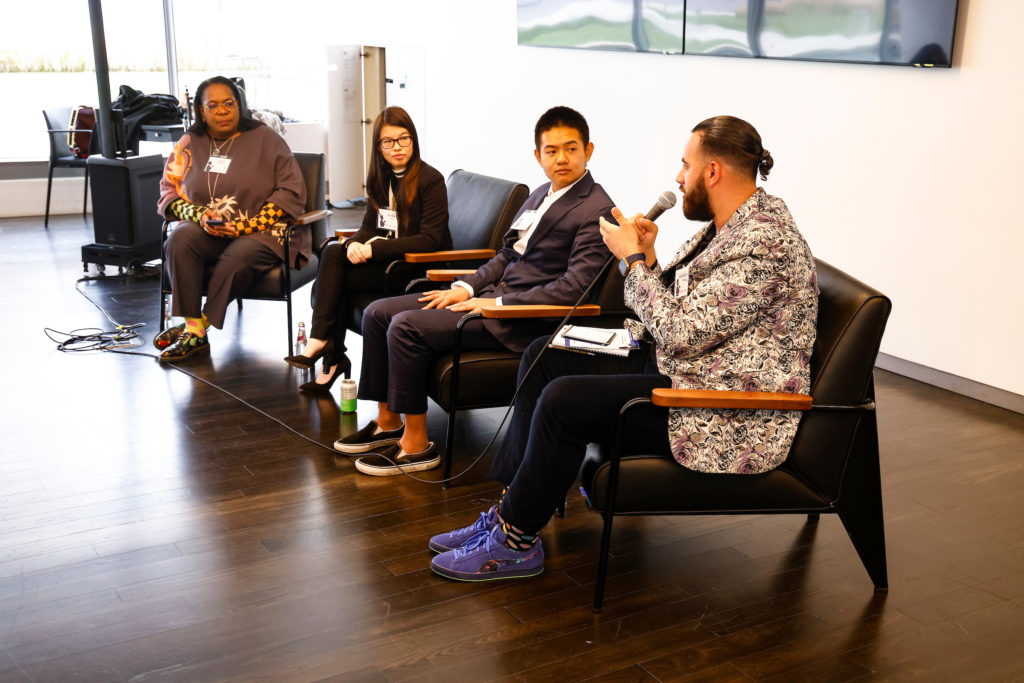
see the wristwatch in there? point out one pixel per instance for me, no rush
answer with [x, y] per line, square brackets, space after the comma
[633, 258]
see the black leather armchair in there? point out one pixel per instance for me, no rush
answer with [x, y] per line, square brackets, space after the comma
[281, 281]
[832, 466]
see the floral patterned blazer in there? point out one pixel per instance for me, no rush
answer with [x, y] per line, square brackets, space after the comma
[744, 320]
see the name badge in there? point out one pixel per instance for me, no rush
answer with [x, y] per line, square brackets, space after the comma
[218, 164]
[387, 220]
[525, 221]
[682, 284]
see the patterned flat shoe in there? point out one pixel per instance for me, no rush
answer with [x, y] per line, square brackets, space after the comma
[186, 346]
[168, 336]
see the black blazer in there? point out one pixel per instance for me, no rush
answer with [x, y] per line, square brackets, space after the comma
[427, 227]
[562, 258]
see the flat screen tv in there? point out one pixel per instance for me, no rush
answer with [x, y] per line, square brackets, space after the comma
[631, 25]
[900, 32]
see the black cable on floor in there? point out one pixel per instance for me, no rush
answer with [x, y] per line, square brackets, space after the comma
[93, 339]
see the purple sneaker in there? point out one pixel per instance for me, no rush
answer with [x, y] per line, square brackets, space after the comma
[458, 538]
[486, 558]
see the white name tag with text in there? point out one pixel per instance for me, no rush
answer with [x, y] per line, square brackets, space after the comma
[525, 221]
[218, 164]
[682, 284]
[387, 220]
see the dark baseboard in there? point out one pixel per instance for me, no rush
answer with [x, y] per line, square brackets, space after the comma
[959, 385]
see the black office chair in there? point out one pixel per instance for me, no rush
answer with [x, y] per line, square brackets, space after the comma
[832, 467]
[281, 281]
[58, 122]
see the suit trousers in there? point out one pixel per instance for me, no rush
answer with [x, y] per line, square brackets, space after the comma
[567, 401]
[401, 341]
[336, 281]
[237, 263]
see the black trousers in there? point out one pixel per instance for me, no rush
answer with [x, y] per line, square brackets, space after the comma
[401, 341]
[237, 263]
[336, 281]
[568, 401]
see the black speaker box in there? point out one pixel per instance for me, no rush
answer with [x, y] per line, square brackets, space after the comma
[125, 222]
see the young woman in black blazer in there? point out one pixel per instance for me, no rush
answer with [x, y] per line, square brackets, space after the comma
[406, 211]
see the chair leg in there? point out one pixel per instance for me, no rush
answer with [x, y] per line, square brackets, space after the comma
[449, 441]
[860, 506]
[49, 186]
[602, 560]
[288, 331]
[813, 517]
[85, 193]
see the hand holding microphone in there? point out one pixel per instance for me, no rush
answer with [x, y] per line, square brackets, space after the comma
[637, 234]
[665, 202]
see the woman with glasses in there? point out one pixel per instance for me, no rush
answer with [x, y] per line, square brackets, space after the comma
[406, 211]
[230, 182]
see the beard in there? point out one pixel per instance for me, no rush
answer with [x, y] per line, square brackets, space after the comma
[696, 206]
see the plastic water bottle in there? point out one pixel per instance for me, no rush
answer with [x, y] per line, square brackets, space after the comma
[300, 338]
[348, 396]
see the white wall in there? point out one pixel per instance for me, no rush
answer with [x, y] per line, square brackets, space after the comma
[904, 178]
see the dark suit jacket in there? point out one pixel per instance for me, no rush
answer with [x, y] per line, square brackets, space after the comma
[562, 258]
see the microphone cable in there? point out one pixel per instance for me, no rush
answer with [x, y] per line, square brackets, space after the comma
[124, 336]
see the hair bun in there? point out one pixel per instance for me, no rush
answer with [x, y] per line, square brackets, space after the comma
[764, 166]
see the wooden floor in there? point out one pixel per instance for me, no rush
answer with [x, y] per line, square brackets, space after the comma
[153, 528]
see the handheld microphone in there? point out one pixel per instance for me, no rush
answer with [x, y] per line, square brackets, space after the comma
[665, 202]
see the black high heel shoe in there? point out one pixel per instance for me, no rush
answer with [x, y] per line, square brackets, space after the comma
[343, 366]
[309, 362]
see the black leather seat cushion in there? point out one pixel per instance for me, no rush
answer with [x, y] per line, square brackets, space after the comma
[486, 378]
[650, 484]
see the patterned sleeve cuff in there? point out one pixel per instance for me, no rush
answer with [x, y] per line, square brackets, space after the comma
[185, 211]
[268, 217]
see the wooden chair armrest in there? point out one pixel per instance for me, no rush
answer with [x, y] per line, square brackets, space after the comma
[311, 217]
[539, 311]
[344, 234]
[446, 275]
[735, 400]
[452, 255]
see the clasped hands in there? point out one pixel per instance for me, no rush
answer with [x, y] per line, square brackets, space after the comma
[455, 299]
[358, 252]
[630, 236]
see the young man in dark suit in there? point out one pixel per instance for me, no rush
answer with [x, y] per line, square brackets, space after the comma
[550, 254]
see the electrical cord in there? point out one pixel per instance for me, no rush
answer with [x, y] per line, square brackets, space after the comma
[93, 338]
[114, 341]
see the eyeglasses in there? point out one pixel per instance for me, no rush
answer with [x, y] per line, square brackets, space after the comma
[214, 106]
[388, 143]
